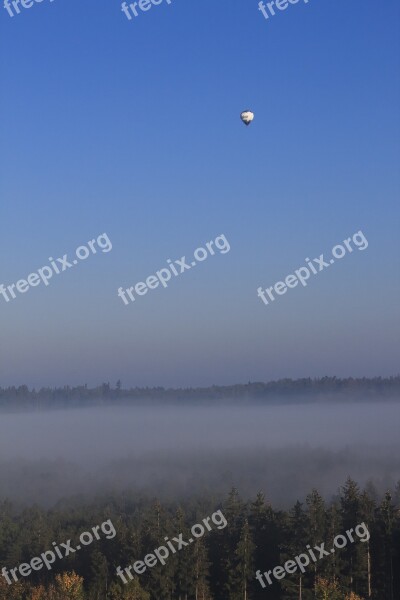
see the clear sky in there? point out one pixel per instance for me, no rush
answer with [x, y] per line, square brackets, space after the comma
[131, 128]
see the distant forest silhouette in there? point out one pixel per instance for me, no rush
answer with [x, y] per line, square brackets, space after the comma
[325, 389]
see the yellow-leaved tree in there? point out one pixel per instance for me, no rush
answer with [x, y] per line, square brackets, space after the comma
[69, 586]
[15, 591]
[327, 590]
[38, 593]
[330, 590]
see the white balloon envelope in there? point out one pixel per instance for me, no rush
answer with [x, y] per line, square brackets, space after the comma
[247, 116]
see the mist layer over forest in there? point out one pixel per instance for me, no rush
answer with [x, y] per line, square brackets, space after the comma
[175, 452]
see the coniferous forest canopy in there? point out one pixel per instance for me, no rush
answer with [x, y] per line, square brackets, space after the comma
[220, 565]
[260, 534]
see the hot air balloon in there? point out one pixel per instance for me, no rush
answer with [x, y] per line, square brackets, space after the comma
[247, 116]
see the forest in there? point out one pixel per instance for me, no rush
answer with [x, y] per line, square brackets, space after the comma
[325, 389]
[222, 564]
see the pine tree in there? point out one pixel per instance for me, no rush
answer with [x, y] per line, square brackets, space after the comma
[223, 546]
[387, 511]
[296, 586]
[368, 508]
[201, 571]
[317, 526]
[130, 591]
[160, 580]
[98, 575]
[334, 562]
[244, 570]
[265, 530]
[351, 517]
[182, 561]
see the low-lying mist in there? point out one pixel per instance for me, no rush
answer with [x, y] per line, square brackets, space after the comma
[173, 452]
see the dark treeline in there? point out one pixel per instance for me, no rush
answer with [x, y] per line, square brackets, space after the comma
[288, 390]
[222, 564]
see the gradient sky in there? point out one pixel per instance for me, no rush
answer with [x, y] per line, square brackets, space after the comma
[132, 128]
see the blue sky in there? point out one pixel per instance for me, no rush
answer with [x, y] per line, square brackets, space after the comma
[132, 128]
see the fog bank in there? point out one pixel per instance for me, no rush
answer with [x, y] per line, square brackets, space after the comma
[284, 451]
